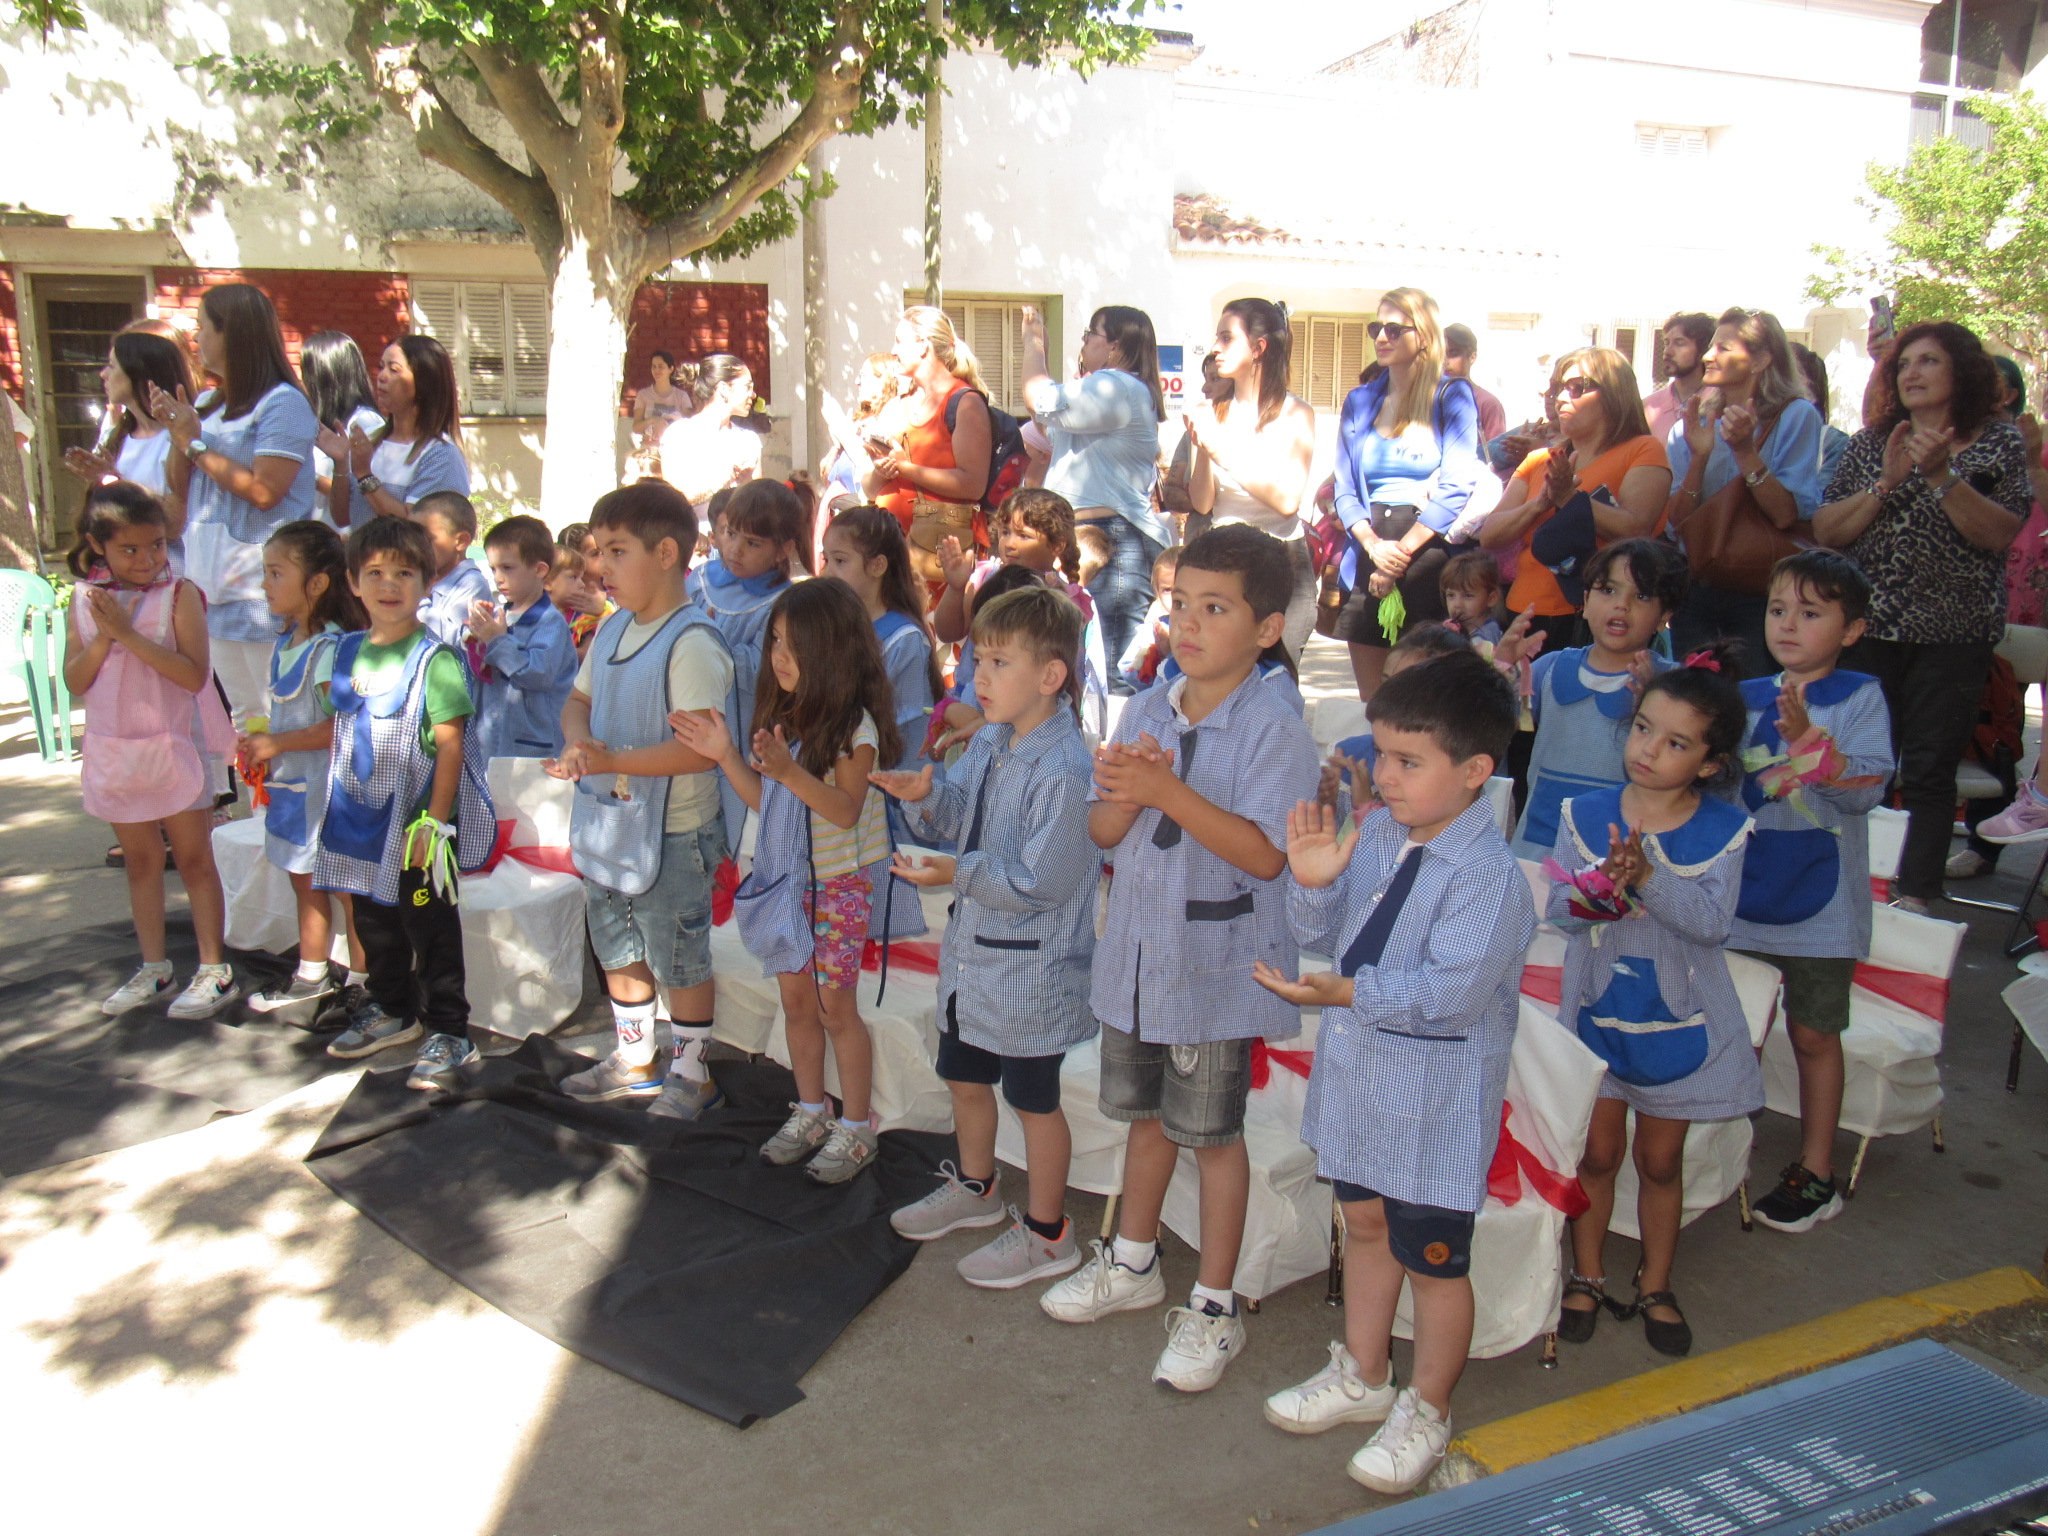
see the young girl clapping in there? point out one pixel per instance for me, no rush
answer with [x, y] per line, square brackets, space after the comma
[865, 548]
[156, 734]
[1645, 881]
[822, 723]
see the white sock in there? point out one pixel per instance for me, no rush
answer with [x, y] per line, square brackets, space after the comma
[1226, 1300]
[635, 1023]
[312, 970]
[1137, 1257]
[814, 1109]
[690, 1041]
[359, 978]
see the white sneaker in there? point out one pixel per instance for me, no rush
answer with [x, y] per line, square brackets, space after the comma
[145, 986]
[1336, 1394]
[1102, 1286]
[1198, 1346]
[209, 992]
[1407, 1448]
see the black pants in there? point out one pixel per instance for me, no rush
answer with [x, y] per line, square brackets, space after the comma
[1422, 598]
[1709, 614]
[414, 954]
[1933, 692]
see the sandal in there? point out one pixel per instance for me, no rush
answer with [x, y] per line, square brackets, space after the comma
[1665, 1338]
[1574, 1324]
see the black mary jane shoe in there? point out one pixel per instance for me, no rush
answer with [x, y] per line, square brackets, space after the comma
[1665, 1338]
[1575, 1326]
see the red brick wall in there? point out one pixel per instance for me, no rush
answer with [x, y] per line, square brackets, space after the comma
[692, 320]
[370, 306]
[10, 337]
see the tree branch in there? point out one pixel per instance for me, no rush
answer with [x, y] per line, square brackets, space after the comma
[405, 82]
[520, 92]
[835, 92]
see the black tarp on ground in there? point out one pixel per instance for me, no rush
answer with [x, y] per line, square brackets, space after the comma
[667, 1252]
[74, 1082]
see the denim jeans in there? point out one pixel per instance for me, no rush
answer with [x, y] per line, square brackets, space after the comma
[1933, 692]
[1122, 590]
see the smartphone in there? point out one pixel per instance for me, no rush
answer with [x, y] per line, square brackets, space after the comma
[1883, 324]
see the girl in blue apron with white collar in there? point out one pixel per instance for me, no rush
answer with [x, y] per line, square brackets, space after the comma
[865, 548]
[1584, 698]
[807, 908]
[1646, 878]
[305, 582]
[766, 531]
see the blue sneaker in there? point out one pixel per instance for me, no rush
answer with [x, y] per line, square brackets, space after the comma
[440, 1063]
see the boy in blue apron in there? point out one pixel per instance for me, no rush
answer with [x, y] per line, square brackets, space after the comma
[407, 807]
[529, 657]
[1805, 905]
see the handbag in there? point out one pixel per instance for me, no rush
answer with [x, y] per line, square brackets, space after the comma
[930, 521]
[1730, 543]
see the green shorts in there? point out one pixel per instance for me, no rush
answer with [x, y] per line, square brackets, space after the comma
[1816, 988]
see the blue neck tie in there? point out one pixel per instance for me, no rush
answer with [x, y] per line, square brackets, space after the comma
[1167, 833]
[1372, 938]
[974, 823]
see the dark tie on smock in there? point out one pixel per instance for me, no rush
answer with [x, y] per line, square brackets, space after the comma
[1372, 938]
[1167, 833]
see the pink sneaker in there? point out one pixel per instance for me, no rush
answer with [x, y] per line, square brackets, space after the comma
[2024, 821]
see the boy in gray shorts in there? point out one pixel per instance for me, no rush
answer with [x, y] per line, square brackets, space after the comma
[1192, 796]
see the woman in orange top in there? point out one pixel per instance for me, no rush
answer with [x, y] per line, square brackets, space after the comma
[1603, 439]
[923, 480]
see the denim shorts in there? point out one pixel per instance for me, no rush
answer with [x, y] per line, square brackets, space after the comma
[1426, 1238]
[668, 925]
[1195, 1092]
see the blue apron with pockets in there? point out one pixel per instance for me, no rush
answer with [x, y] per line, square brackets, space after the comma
[1791, 873]
[772, 906]
[1631, 1028]
[296, 782]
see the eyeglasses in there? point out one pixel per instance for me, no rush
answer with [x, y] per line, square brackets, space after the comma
[1096, 334]
[1578, 387]
[1391, 329]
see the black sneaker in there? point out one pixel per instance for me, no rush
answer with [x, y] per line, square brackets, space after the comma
[1801, 1202]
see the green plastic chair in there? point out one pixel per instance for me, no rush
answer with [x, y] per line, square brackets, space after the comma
[32, 649]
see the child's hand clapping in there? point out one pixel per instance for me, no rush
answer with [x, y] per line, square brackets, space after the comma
[704, 732]
[1517, 644]
[1136, 773]
[771, 755]
[1626, 864]
[108, 613]
[957, 563]
[1316, 989]
[1316, 855]
[256, 747]
[1641, 668]
[926, 870]
[486, 622]
[576, 760]
[906, 786]
[1793, 721]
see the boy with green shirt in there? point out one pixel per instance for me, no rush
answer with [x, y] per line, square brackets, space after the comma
[400, 790]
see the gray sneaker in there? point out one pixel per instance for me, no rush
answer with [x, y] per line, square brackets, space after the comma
[1020, 1256]
[371, 1031]
[801, 1135]
[682, 1099]
[613, 1079]
[441, 1062]
[211, 990]
[847, 1150]
[296, 990]
[947, 1209]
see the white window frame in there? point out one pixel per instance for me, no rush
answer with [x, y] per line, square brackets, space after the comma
[1953, 97]
[496, 333]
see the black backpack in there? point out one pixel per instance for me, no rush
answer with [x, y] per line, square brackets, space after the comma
[1007, 460]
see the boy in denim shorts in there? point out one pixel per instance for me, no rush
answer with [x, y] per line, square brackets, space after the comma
[1192, 794]
[1427, 914]
[647, 830]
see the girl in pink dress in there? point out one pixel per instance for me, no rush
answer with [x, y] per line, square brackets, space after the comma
[157, 737]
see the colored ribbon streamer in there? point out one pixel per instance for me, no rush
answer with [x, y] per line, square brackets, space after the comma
[1265, 1058]
[440, 868]
[1595, 898]
[1513, 1162]
[1545, 983]
[1909, 989]
[1393, 615]
[1813, 759]
[557, 860]
[919, 955]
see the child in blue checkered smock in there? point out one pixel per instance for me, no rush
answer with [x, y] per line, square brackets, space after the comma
[1645, 881]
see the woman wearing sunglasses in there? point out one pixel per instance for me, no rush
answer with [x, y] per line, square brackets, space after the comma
[1407, 459]
[1603, 442]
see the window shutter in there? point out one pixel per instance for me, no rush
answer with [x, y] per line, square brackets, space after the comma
[437, 312]
[1351, 354]
[985, 336]
[526, 307]
[483, 334]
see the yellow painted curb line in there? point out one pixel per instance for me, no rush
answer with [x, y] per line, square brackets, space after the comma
[1726, 1373]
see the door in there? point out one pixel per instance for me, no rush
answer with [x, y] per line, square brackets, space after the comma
[76, 319]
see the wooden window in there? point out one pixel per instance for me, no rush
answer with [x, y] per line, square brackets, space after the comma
[1669, 145]
[1330, 351]
[497, 333]
[992, 325]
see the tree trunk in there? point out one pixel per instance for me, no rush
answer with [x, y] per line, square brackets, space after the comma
[590, 301]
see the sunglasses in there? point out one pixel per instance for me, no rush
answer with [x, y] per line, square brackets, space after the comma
[1577, 388]
[1390, 329]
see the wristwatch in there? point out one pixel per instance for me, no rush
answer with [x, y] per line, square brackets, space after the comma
[198, 446]
[369, 485]
[1757, 476]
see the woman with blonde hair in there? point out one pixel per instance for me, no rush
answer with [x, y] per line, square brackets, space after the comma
[874, 393]
[1604, 442]
[1407, 460]
[933, 477]
[1747, 447]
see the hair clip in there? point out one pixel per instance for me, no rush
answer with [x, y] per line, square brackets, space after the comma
[1705, 660]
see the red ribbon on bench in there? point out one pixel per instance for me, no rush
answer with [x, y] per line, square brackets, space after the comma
[1909, 989]
[919, 955]
[1265, 1058]
[1545, 983]
[1513, 1162]
[559, 860]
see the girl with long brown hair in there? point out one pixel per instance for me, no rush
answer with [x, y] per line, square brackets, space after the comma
[865, 548]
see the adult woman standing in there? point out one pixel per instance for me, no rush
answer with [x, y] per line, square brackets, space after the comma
[706, 451]
[338, 387]
[417, 452]
[246, 468]
[934, 478]
[1604, 442]
[1927, 499]
[1104, 430]
[1747, 445]
[660, 402]
[1253, 442]
[1407, 460]
[139, 447]
[874, 392]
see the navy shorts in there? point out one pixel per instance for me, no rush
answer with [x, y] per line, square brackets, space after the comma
[1031, 1084]
[1426, 1238]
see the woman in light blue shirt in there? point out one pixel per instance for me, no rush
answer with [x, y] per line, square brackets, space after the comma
[416, 453]
[1104, 428]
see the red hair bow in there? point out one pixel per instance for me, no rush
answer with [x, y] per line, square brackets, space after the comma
[1704, 659]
